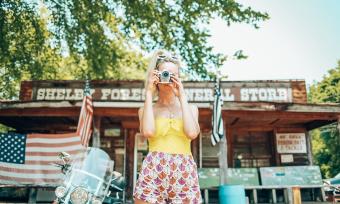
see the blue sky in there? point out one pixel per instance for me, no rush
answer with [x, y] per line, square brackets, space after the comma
[301, 40]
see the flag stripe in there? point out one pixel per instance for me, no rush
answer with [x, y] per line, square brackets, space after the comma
[84, 128]
[28, 171]
[52, 136]
[40, 144]
[75, 138]
[48, 153]
[55, 149]
[217, 121]
[46, 166]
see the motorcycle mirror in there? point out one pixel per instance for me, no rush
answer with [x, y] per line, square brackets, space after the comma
[64, 156]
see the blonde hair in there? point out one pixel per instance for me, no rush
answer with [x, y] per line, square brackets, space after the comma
[153, 63]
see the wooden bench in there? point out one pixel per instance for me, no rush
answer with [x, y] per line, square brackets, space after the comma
[273, 179]
[288, 195]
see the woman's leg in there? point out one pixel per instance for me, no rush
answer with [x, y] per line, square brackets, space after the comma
[184, 180]
[146, 190]
[137, 201]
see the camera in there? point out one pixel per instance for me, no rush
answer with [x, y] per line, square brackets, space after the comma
[165, 76]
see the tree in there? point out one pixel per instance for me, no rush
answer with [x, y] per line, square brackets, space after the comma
[326, 140]
[102, 38]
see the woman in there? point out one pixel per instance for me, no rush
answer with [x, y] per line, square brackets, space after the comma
[169, 173]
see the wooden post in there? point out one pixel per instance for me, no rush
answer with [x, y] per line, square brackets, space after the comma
[96, 132]
[296, 195]
[32, 195]
[222, 157]
[309, 148]
[230, 147]
[130, 144]
[276, 154]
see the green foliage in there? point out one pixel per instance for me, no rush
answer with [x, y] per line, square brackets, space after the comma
[326, 140]
[5, 129]
[104, 39]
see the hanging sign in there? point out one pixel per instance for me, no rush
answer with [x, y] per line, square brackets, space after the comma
[291, 143]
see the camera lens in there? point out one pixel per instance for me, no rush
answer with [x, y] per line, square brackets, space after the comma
[165, 74]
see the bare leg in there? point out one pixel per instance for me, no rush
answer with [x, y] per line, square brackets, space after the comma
[137, 201]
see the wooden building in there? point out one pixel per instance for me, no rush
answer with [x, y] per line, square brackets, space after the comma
[267, 123]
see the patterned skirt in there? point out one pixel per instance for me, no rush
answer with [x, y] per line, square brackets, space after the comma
[168, 178]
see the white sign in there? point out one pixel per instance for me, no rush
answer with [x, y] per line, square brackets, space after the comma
[291, 143]
[287, 158]
[193, 94]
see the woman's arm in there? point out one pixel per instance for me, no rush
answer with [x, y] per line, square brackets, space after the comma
[190, 118]
[146, 117]
[145, 113]
[189, 112]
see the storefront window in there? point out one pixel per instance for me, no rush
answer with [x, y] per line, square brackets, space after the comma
[209, 153]
[113, 143]
[251, 149]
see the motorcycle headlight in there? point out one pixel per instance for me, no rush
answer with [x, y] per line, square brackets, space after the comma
[96, 201]
[79, 196]
[60, 191]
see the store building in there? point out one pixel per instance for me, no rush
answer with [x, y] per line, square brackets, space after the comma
[267, 123]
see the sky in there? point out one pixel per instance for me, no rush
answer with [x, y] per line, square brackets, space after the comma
[301, 40]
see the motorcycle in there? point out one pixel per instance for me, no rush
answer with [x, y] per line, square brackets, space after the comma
[89, 179]
[332, 192]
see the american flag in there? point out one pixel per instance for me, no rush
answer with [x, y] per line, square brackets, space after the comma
[27, 158]
[217, 121]
[85, 122]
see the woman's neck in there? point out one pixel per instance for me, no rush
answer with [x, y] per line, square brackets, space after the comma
[167, 98]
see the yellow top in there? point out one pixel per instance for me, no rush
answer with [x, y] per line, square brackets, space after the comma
[169, 137]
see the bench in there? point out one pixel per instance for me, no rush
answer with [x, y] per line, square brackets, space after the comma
[272, 180]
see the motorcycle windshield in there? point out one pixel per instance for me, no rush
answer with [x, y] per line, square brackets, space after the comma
[92, 171]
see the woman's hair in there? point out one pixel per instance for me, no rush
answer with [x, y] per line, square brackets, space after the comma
[154, 65]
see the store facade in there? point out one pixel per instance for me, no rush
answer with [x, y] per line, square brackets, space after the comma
[267, 123]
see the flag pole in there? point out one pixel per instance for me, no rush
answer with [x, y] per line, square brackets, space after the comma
[222, 155]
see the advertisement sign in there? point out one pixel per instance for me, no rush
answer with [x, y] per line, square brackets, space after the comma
[291, 143]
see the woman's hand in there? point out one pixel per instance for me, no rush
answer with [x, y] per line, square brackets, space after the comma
[153, 80]
[177, 87]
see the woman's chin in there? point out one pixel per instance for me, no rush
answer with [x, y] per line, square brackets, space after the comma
[165, 87]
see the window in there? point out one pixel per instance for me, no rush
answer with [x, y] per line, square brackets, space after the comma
[252, 149]
[209, 153]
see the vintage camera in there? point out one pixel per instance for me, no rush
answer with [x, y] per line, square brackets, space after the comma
[165, 76]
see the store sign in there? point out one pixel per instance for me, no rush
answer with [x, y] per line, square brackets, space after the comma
[287, 158]
[277, 94]
[291, 143]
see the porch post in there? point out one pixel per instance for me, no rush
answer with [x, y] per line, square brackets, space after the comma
[309, 148]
